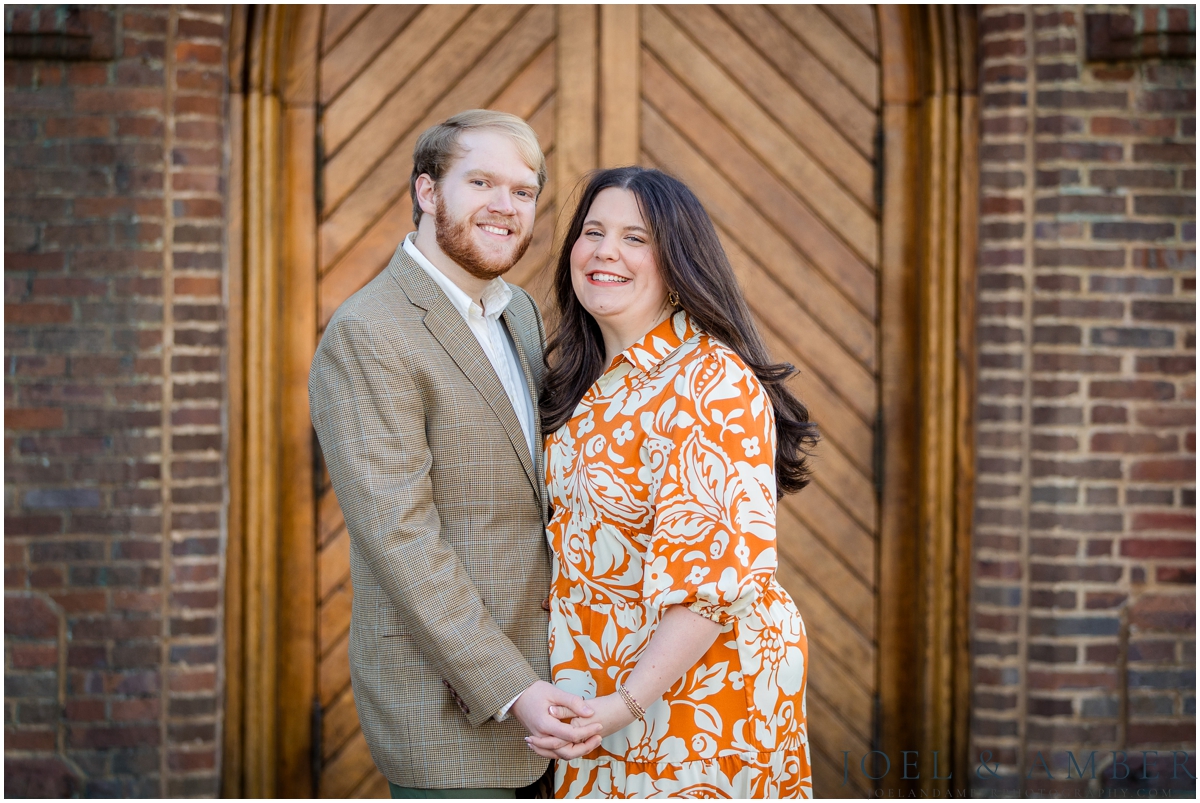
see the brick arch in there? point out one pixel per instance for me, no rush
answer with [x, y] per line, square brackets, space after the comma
[290, 253]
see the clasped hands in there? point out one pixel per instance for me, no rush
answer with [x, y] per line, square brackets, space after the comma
[544, 708]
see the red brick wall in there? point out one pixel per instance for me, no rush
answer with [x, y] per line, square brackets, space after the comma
[114, 337]
[1084, 612]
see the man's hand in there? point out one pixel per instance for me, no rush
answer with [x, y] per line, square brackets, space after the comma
[611, 715]
[532, 708]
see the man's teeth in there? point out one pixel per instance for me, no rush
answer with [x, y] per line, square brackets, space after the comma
[493, 229]
[608, 277]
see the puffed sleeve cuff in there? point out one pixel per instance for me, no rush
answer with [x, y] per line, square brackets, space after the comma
[709, 611]
[730, 598]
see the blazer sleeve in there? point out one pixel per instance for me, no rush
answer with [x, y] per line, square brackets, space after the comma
[370, 420]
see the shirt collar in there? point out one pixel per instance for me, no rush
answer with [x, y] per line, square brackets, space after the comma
[660, 342]
[496, 293]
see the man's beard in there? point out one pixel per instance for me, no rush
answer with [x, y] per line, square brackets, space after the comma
[454, 238]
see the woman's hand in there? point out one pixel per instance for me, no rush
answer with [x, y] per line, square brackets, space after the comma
[609, 712]
[541, 709]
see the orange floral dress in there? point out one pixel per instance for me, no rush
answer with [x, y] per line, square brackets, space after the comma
[663, 485]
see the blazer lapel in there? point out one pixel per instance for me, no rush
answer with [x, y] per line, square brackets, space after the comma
[446, 324]
[516, 329]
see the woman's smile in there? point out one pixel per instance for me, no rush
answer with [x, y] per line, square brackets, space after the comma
[602, 277]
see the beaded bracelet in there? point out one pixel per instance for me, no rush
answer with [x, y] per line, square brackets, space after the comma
[631, 703]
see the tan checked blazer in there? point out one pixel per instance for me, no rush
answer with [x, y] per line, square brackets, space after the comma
[445, 510]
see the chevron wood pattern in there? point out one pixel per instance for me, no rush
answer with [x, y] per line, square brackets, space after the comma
[771, 115]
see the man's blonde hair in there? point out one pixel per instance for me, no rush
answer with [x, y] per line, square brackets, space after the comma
[438, 147]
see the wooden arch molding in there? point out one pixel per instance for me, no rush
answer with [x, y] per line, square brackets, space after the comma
[270, 572]
[927, 357]
[930, 221]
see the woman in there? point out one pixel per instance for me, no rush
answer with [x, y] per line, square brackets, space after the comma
[662, 469]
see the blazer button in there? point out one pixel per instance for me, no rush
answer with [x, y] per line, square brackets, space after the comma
[546, 604]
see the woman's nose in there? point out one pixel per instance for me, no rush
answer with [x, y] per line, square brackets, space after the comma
[606, 249]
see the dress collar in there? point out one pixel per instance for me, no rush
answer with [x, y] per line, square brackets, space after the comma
[660, 342]
[496, 293]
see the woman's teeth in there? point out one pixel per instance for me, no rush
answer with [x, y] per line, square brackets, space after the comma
[608, 277]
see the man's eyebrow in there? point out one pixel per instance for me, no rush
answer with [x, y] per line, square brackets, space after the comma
[480, 172]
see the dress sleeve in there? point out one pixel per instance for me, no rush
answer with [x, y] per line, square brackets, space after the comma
[713, 547]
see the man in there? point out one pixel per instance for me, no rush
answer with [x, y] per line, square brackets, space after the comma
[424, 396]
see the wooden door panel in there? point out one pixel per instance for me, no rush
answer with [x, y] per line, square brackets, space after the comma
[770, 114]
[829, 521]
[339, 724]
[344, 220]
[859, 22]
[796, 325]
[368, 256]
[806, 73]
[333, 563]
[333, 671]
[847, 329]
[349, 769]
[357, 146]
[777, 140]
[334, 618]
[729, 70]
[360, 47]
[380, 167]
[837, 374]
[848, 592]
[527, 96]
[846, 270]
[437, 61]
[337, 22]
[855, 68]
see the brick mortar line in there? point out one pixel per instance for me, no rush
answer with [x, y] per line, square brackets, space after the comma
[1028, 245]
[168, 337]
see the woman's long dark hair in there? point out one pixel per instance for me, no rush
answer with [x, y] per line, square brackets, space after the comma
[694, 265]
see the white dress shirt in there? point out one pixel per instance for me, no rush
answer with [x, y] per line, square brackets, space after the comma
[496, 342]
[493, 336]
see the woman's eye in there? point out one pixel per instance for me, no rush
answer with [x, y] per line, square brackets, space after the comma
[637, 240]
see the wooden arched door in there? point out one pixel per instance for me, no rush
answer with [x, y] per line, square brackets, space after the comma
[775, 116]
[771, 115]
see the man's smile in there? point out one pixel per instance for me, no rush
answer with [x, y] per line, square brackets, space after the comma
[499, 231]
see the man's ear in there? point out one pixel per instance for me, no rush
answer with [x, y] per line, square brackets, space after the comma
[426, 190]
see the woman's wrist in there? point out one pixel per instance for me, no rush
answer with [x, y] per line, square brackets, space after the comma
[634, 708]
[613, 715]
[638, 692]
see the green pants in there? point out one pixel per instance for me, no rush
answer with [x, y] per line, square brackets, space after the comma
[543, 787]
[410, 791]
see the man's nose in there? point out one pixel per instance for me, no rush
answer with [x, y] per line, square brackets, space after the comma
[501, 203]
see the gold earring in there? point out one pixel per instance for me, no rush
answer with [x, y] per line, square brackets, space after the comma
[673, 298]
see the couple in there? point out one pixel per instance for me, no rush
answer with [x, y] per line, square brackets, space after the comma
[604, 519]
